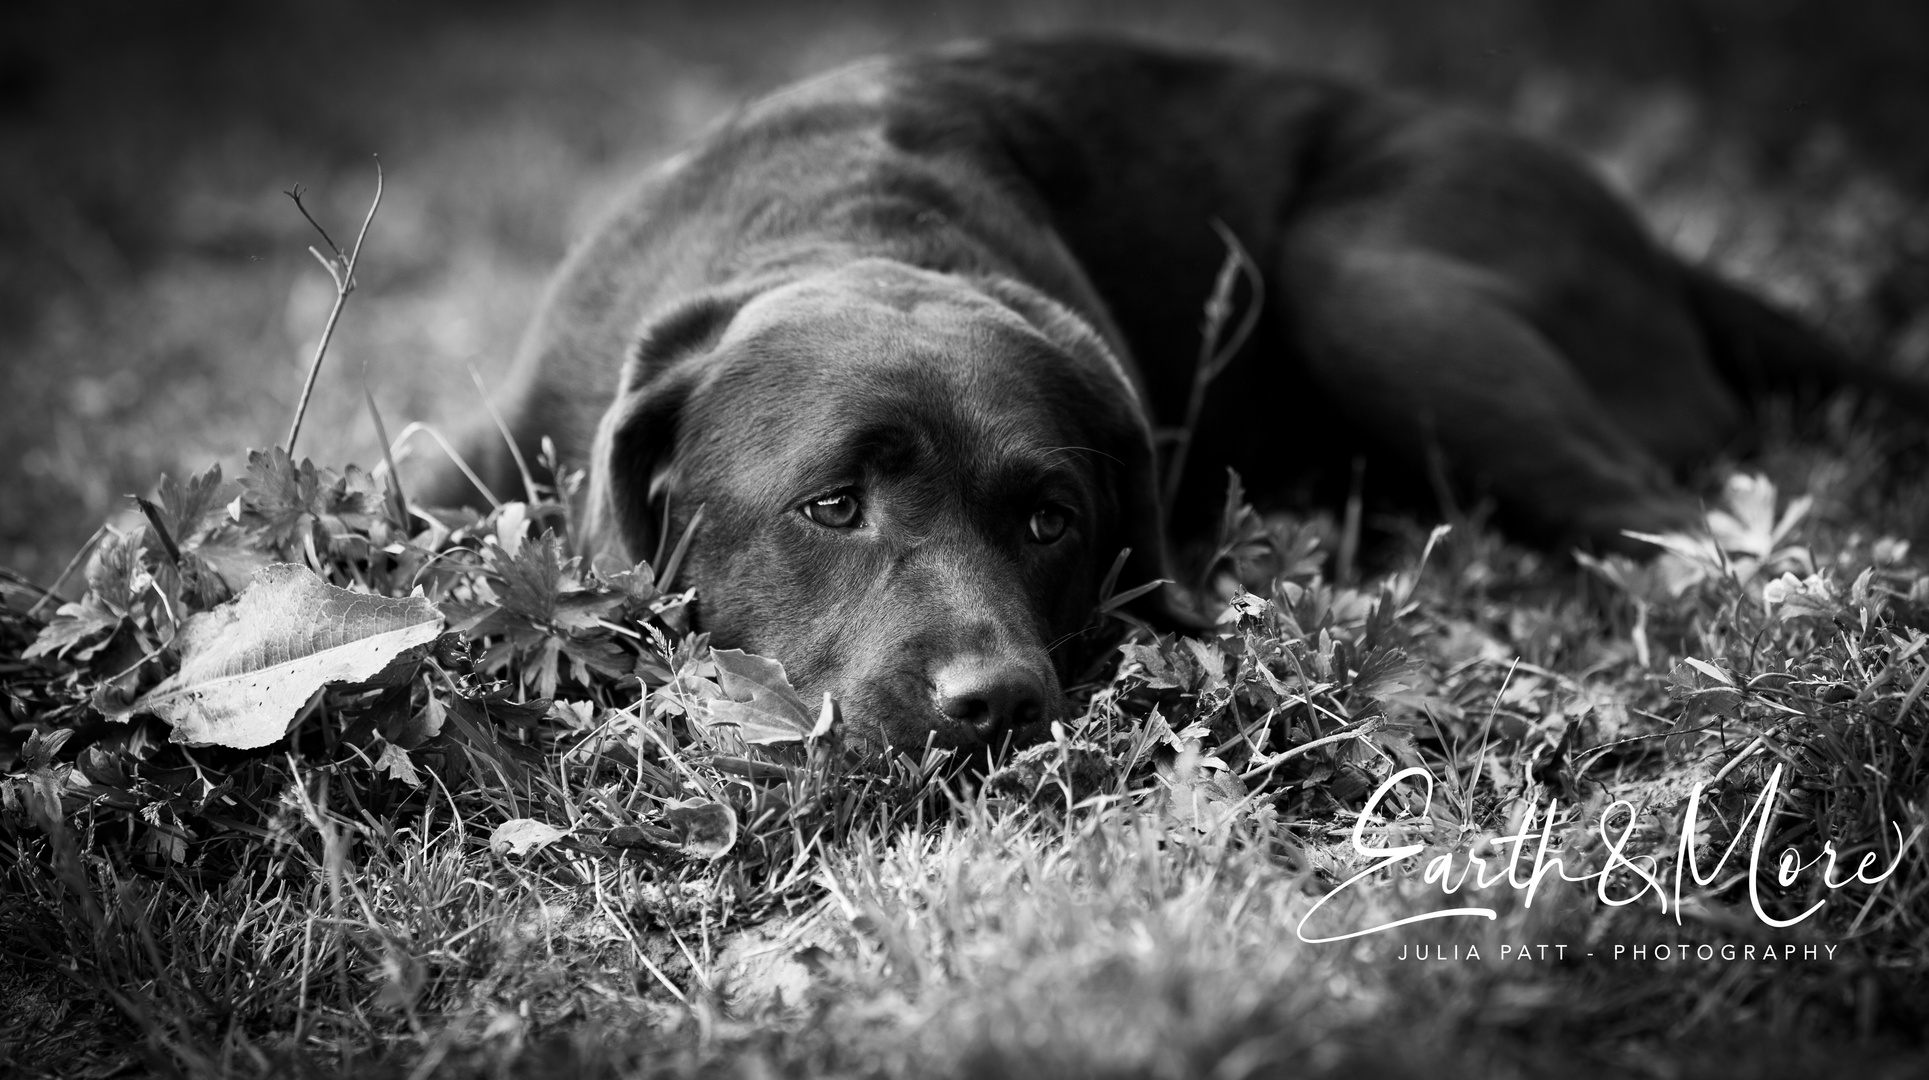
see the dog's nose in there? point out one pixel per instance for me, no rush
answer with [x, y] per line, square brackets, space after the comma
[992, 696]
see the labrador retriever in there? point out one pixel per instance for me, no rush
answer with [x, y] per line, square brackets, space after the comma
[901, 341]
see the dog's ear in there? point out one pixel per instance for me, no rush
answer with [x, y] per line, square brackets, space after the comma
[633, 459]
[1125, 437]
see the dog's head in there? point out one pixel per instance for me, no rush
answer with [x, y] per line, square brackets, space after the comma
[912, 486]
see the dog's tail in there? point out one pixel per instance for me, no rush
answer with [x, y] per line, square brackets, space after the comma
[1764, 351]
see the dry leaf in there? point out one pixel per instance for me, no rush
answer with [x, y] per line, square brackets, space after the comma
[248, 666]
[524, 836]
[762, 705]
[703, 828]
[394, 761]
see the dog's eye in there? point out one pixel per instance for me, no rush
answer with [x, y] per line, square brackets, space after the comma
[1047, 524]
[838, 510]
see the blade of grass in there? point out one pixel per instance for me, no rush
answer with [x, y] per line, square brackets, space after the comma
[399, 501]
[461, 463]
[515, 452]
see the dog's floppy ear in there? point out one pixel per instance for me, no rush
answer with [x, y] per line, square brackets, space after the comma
[1125, 437]
[633, 459]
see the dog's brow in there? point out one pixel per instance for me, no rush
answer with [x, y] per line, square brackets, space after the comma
[1043, 469]
[1019, 477]
[1063, 470]
[1079, 451]
[887, 447]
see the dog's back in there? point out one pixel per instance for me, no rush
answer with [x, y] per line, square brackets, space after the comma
[1442, 296]
[894, 349]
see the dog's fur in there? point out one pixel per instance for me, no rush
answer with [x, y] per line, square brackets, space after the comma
[966, 286]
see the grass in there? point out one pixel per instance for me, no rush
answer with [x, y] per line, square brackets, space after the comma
[1112, 904]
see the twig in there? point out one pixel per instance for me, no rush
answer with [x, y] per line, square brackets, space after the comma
[1354, 729]
[342, 271]
[22, 581]
[295, 194]
[1213, 356]
[1594, 753]
[1760, 742]
[52, 592]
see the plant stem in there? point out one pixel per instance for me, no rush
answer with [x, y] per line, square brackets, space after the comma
[344, 284]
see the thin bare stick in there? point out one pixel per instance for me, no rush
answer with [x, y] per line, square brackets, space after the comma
[22, 581]
[295, 194]
[515, 452]
[344, 284]
[1353, 730]
[52, 592]
[1213, 355]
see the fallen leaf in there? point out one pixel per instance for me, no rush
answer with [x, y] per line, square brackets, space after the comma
[524, 836]
[703, 828]
[394, 761]
[248, 666]
[762, 705]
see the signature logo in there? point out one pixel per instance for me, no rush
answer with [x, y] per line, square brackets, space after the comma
[1623, 879]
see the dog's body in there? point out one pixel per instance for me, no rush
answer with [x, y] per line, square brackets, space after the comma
[904, 335]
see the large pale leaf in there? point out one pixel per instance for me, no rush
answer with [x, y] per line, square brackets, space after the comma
[248, 666]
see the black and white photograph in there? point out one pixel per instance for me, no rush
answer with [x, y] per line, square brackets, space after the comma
[974, 539]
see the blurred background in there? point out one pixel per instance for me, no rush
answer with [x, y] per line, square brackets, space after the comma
[158, 304]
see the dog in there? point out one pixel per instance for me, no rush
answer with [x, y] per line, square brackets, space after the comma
[896, 347]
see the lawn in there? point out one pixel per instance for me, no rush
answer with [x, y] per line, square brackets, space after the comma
[531, 846]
